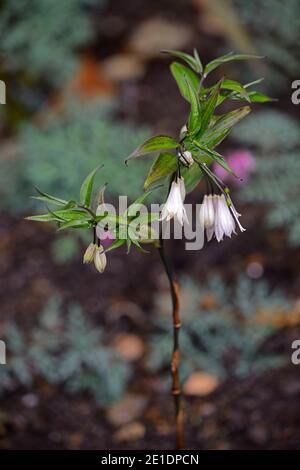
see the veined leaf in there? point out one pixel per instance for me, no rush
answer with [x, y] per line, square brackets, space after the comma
[222, 126]
[116, 244]
[137, 203]
[74, 224]
[255, 82]
[227, 58]
[194, 121]
[193, 62]
[235, 86]
[258, 97]
[184, 75]
[215, 156]
[71, 214]
[48, 198]
[87, 188]
[155, 144]
[43, 218]
[198, 60]
[208, 107]
[163, 166]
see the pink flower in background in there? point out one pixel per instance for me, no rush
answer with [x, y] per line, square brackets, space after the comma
[241, 162]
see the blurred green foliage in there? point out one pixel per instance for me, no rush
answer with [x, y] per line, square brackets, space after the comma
[58, 154]
[275, 140]
[221, 333]
[39, 37]
[274, 28]
[64, 350]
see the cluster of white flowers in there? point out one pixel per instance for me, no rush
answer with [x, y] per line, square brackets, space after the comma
[218, 217]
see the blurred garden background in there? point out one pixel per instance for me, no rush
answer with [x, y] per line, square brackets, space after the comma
[88, 354]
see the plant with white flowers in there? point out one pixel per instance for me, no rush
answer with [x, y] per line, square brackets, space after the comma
[183, 162]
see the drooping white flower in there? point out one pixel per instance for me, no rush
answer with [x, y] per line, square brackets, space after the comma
[100, 260]
[224, 221]
[207, 218]
[174, 206]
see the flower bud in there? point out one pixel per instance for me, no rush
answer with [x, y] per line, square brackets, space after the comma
[100, 259]
[186, 158]
[89, 253]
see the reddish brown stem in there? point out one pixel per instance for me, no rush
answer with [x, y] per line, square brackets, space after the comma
[176, 388]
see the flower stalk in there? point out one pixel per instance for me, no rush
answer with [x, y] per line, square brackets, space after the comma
[176, 387]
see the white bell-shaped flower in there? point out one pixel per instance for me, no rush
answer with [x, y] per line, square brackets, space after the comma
[174, 206]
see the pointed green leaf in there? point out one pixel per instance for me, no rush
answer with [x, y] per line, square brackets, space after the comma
[198, 60]
[258, 97]
[208, 107]
[48, 198]
[184, 75]
[74, 224]
[222, 126]
[194, 121]
[227, 58]
[164, 165]
[116, 244]
[155, 144]
[43, 218]
[193, 62]
[215, 156]
[87, 188]
[235, 86]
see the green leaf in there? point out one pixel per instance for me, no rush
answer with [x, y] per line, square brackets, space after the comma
[222, 126]
[116, 244]
[48, 198]
[235, 86]
[43, 218]
[198, 60]
[192, 177]
[214, 156]
[87, 187]
[193, 62]
[71, 214]
[208, 107]
[137, 203]
[155, 144]
[194, 121]
[74, 224]
[257, 97]
[255, 82]
[184, 75]
[162, 166]
[227, 58]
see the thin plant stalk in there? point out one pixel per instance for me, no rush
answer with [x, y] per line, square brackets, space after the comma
[176, 387]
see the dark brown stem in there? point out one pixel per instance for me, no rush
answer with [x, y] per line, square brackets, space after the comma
[176, 389]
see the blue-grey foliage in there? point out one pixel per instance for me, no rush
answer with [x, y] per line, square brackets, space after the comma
[59, 154]
[67, 351]
[222, 333]
[275, 140]
[39, 37]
